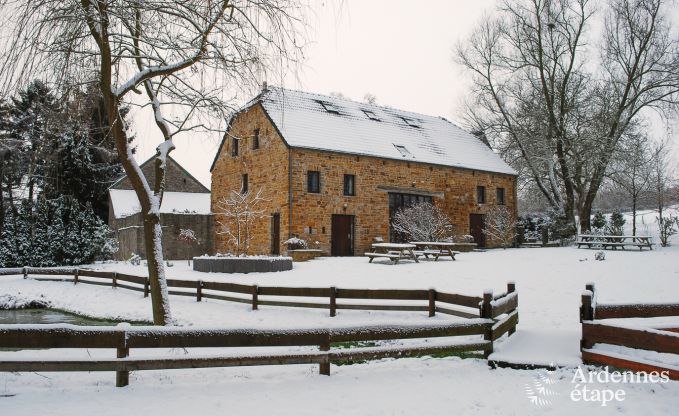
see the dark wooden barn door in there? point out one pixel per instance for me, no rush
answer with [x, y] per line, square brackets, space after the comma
[342, 235]
[477, 223]
[276, 234]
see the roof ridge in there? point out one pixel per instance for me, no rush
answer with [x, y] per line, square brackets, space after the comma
[361, 103]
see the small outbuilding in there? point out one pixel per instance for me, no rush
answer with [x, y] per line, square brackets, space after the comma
[185, 206]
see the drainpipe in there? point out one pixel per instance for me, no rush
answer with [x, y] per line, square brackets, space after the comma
[289, 192]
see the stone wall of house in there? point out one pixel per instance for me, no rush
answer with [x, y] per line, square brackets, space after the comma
[267, 170]
[370, 207]
[176, 178]
[130, 232]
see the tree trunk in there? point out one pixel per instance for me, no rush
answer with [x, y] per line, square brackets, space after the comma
[585, 212]
[153, 235]
[634, 214]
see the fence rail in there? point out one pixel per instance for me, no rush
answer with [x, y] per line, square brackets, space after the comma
[490, 316]
[124, 339]
[596, 331]
[446, 303]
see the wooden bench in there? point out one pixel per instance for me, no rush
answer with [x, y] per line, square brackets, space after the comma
[614, 241]
[436, 253]
[393, 257]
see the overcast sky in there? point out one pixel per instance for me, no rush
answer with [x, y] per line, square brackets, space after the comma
[400, 51]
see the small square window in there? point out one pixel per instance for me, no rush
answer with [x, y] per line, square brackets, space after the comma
[371, 115]
[480, 194]
[411, 122]
[329, 107]
[403, 151]
[234, 147]
[500, 196]
[313, 182]
[255, 140]
[349, 185]
[244, 184]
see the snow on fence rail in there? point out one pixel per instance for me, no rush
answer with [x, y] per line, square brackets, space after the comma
[639, 337]
[464, 306]
[495, 316]
[124, 339]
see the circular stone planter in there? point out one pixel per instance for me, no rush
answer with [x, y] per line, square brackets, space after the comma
[242, 264]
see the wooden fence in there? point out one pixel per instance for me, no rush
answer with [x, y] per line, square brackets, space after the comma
[124, 339]
[495, 316]
[659, 339]
[431, 300]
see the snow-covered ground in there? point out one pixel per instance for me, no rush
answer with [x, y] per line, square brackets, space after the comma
[549, 280]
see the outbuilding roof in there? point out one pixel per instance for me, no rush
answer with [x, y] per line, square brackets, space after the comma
[327, 123]
[125, 203]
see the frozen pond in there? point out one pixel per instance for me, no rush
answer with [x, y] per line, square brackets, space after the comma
[47, 316]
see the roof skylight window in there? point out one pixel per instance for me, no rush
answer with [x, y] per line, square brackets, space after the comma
[371, 115]
[403, 151]
[411, 122]
[329, 107]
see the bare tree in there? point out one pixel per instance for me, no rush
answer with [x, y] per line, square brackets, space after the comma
[501, 225]
[423, 222]
[632, 170]
[557, 108]
[238, 213]
[189, 238]
[182, 59]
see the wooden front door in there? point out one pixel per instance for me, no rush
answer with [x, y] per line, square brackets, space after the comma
[477, 223]
[276, 234]
[342, 235]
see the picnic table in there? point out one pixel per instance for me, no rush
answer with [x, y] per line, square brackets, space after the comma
[434, 248]
[393, 252]
[614, 241]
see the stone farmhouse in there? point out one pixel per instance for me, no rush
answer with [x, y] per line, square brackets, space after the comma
[334, 171]
[186, 205]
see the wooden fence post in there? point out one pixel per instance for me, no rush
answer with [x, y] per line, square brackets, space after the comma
[487, 312]
[511, 288]
[25, 272]
[333, 301]
[146, 287]
[255, 297]
[122, 377]
[324, 367]
[114, 280]
[199, 291]
[590, 286]
[76, 272]
[586, 309]
[432, 302]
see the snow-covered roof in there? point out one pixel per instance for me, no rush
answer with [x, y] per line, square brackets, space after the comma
[321, 122]
[125, 203]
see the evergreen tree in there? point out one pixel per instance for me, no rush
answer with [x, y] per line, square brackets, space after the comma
[599, 222]
[616, 224]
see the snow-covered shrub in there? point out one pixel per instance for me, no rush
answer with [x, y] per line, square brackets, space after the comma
[422, 222]
[467, 238]
[135, 259]
[668, 227]
[600, 256]
[599, 223]
[501, 226]
[295, 243]
[616, 224]
[560, 227]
